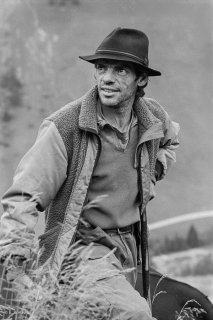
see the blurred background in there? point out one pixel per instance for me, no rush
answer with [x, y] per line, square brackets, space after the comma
[40, 41]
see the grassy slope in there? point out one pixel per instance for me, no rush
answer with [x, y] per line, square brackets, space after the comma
[180, 46]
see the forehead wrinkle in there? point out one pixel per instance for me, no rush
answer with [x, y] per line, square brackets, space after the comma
[115, 63]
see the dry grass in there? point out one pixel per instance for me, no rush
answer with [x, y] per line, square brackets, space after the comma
[188, 312]
[76, 294]
[156, 294]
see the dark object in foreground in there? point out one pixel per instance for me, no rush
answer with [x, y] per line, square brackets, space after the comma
[169, 296]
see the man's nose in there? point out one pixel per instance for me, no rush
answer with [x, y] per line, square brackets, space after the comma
[108, 76]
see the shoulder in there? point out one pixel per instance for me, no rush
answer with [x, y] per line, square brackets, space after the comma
[66, 122]
[66, 118]
[156, 108]
[171, 127]
[67, 113]
[159, 112]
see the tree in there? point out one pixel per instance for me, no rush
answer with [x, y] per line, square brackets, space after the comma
[192, 238]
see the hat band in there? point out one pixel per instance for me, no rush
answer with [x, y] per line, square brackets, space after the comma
[143, 61]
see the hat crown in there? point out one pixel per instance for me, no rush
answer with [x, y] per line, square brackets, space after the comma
[127, 42]
[124, 44]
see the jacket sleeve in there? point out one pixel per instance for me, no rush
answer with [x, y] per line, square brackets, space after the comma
[166, 155]
[37, 179]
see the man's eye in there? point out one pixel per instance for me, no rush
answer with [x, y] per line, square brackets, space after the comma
[122, 71]
[100, 67]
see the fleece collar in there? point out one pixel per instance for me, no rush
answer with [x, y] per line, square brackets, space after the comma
[88, 113]
[150, 127]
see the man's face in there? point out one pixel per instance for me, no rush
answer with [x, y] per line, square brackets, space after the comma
[117, 82]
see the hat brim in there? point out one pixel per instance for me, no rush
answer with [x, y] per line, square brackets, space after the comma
[93, 58]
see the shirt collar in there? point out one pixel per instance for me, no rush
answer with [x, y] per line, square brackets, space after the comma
[102, 121]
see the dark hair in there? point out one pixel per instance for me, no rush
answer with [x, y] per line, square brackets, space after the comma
[139, 71]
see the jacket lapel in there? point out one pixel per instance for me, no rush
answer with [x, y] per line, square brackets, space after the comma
[88, 113]
[150, 127]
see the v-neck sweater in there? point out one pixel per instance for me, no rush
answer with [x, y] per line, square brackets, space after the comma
[115, 177]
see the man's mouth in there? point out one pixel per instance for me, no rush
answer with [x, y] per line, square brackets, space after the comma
[109, 90]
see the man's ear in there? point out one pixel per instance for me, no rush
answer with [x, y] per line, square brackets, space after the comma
[142, 80]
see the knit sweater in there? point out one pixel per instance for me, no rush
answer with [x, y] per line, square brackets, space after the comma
[116, 177]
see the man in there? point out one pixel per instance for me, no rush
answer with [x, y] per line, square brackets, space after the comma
[112, 145]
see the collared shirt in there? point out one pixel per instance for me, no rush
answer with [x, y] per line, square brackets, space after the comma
[114, 135]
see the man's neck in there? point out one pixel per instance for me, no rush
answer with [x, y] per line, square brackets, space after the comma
[118, 117]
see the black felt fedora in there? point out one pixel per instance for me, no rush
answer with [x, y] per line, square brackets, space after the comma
[125, 45]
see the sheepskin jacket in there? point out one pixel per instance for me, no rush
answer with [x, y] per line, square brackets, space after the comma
[55, 174]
